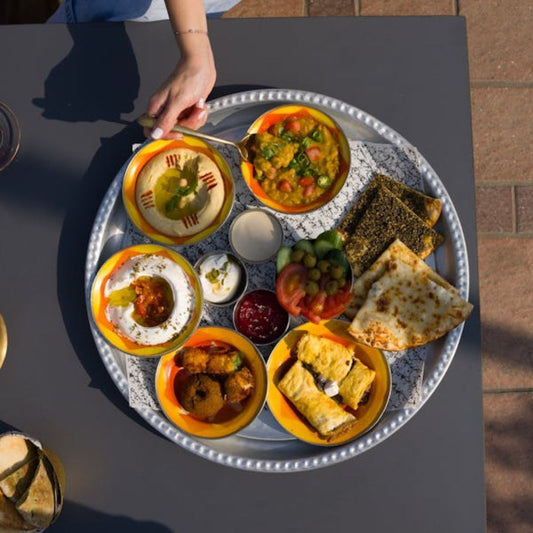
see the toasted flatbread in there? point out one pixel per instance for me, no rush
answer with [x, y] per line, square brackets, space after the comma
[405, 308]
[386, 219]
[14, 485]
[354, 386]
[10, 519]
[326, 357]
[397, 250]
[37, 504]
[321, 411]
[15, 450]
[426, 207]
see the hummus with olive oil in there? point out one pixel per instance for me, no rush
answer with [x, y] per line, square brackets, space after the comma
[123, 308]
[180, 192]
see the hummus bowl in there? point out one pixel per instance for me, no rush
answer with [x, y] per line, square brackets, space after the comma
[219, 376]
[300, 159]
[178, 192]
[146, 300]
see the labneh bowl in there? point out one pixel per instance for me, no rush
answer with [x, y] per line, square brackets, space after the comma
[291, 170]
[223, 277]
[283, 358]
[146, 300]
[197, 376]
[178, 192]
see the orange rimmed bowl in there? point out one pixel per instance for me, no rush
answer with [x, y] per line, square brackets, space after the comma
[100, 301]
[269, 118]
[142, 157]
[367, 414]
[170, 375]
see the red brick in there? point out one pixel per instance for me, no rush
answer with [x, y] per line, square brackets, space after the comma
[494, 209]
[501, 122]
[508, 461]
[272, 8]
[499, 37]
[331, 8]
[407, 7]
[524, 209]
[506, 300]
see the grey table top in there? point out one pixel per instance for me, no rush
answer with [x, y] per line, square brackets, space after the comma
[75, 90]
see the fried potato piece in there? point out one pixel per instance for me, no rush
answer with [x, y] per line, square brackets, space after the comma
[239, 385]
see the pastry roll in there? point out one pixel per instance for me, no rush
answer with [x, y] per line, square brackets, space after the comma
[326, 357]
[353, 387]
[322, 412]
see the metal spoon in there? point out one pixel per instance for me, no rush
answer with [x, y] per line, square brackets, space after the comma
[244, 146]
[3, 340]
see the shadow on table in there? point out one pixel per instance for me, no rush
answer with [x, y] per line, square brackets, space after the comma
[98, 80]
[81, 519]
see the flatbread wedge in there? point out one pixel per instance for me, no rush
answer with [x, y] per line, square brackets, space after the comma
[10, 519]
[37, 504]
[396, 251]
[386, 219]
[405, 307]
[14, 485]
[426, 207]
[321, 411]
[15, 450]
[326, 357]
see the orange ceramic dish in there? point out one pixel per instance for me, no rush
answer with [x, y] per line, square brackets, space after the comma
[367, 414]
[142, 157]
[100, 301]
[270, 118]
[169, 376]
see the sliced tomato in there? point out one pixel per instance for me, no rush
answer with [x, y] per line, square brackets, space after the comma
[313, 307]
[336, 304]
[290, 287]
[313, 153]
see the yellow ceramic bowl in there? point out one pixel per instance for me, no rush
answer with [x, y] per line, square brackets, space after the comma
[99, 301]
[170, 375]
[279, 113]
[142, 157]
[280, 361]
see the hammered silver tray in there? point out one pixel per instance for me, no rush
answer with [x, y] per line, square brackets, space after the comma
[265, 446]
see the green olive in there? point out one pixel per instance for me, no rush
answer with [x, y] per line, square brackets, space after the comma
[314, 274]
[310, 260]
[323, 266]
[297, 256]
[336, 271]
[311, 288]
[332, 288]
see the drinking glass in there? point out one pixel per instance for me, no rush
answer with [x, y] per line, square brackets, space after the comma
[9, 135]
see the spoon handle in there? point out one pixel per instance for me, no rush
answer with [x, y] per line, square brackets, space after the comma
[148, 122]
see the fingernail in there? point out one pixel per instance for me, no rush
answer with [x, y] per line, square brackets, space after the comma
[156, 134]
[178, 136]
[201, 103]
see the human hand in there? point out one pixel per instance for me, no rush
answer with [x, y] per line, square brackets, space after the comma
[181, 98]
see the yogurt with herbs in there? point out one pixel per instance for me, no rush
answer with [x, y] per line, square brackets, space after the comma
[221, 277]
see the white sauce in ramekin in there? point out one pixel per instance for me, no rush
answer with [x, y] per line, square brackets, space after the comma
[151, 265]
[220, 277]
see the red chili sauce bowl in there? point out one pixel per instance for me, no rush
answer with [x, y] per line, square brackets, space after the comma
[259, 317]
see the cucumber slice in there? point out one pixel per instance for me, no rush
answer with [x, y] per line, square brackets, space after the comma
[305, 245]
[323, 247]
[283, 258]
[332, 236]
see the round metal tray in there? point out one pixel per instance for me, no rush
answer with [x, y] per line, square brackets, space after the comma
[266, 447]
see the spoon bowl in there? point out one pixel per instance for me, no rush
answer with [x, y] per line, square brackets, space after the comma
[3, 340]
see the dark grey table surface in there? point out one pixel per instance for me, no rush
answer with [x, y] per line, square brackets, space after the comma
[75, 90]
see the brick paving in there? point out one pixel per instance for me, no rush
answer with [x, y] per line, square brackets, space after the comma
[500, 41]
